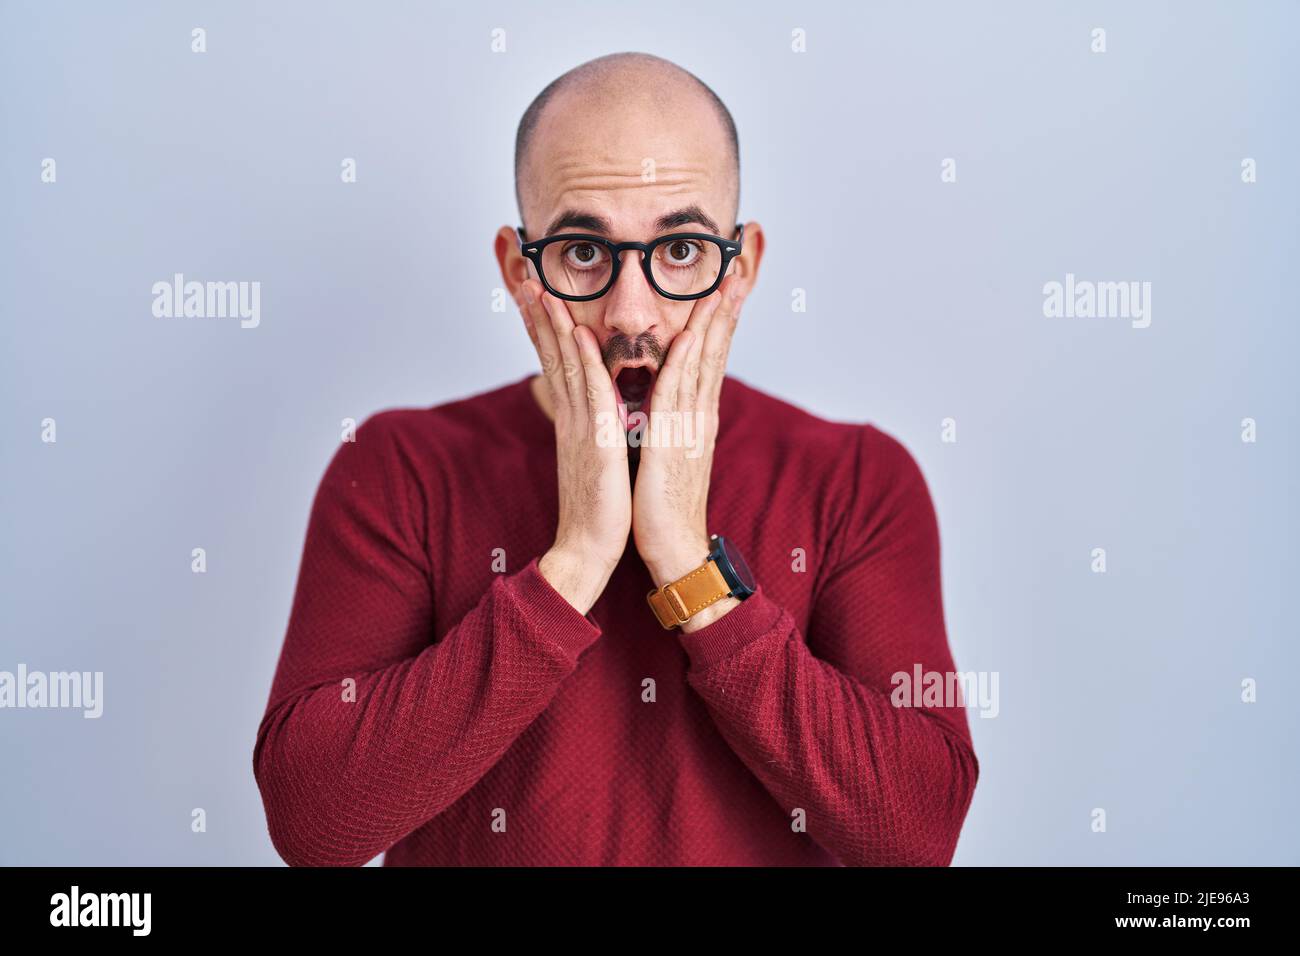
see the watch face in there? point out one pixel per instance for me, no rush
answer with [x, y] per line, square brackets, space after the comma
[738, 565]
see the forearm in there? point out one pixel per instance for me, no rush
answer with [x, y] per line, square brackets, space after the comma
[878, 784]
[343, 779]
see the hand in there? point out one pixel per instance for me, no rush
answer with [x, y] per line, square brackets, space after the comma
[670, 501]
[590, 450]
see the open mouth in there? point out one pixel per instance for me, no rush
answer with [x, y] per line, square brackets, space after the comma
[633, 385]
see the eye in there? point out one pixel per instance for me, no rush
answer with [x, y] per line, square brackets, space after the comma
[583, 255]
[681, 252]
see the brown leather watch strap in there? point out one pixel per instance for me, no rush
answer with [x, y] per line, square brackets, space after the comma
[676, 602]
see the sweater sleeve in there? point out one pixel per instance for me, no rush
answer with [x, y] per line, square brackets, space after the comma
[375, 724]
[815, 720]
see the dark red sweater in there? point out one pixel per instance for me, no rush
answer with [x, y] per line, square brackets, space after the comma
[493, 724]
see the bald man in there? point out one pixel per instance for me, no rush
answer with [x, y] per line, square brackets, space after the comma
[630, 610]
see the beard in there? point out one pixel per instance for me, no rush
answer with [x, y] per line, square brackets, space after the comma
[640, 360]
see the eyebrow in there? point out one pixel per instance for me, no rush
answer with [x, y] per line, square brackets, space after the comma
[572, 219]
[684, 217]
[576, 219]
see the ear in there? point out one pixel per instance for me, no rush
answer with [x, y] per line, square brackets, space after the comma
[744, 268]
[515, 267]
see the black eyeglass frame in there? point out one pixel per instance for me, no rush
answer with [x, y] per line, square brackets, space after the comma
[533, 251]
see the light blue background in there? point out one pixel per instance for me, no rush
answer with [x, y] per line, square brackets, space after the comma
[1118, 691]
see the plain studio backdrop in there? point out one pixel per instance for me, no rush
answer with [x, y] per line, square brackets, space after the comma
[924, 303]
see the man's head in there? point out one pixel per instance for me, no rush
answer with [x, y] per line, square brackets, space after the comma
[629, 147]
[636, 81]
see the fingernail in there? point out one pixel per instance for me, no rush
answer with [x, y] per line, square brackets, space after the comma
[528, 295]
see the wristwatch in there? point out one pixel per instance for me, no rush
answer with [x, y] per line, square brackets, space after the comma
[723, 574]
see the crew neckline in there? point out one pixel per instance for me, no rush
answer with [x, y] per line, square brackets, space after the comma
[535, 411]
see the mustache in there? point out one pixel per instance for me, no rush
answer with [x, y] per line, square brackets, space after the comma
[621, 347]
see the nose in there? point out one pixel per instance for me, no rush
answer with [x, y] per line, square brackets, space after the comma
[631, 306]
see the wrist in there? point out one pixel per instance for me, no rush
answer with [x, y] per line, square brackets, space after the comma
[699, 584]
[679, 562]
[706, 616]
[578, 579]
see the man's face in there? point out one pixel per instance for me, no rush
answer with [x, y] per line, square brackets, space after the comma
[628, 169]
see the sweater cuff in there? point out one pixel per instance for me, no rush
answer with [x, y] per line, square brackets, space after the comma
[550, 614]
[748, 621]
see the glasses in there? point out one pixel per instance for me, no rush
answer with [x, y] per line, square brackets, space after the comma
[580, 267]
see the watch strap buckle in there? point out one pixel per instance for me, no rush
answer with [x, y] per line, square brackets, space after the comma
[675, 603]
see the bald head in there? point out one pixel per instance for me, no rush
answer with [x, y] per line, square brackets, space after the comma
[627, 108]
